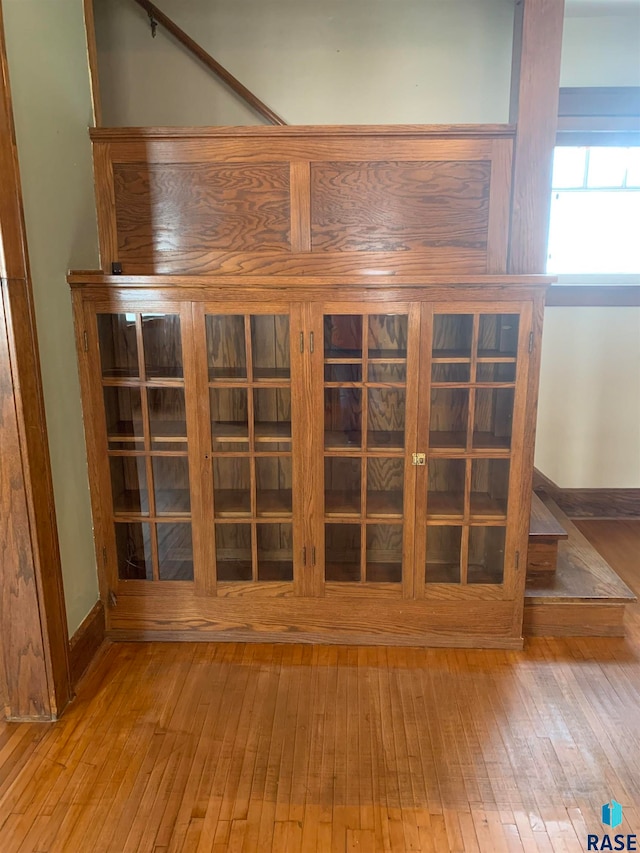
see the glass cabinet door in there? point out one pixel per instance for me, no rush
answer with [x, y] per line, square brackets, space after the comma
[366, 361]
[471, 426]
[249, 377]
[143, 390]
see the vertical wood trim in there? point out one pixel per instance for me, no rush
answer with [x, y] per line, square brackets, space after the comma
[314, 389]
[499, 207]
[535, 87]
[203, 514]
[422, 383]
[92, 57]
[300, 461]
[106, 205]
[35, 642]
[523, 500]
[411, 446]
[96, 439]
[300, 193]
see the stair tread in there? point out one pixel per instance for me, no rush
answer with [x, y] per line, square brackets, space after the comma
[544, 524]
[582, 574]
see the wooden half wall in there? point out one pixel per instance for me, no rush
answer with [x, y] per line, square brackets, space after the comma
[299, 200]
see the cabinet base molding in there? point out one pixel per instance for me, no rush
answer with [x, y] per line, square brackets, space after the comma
[188, 617]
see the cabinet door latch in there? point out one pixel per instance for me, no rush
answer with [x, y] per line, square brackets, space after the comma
[419, 458]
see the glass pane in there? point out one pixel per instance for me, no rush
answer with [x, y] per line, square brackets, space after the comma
[162, 345]
[343, 373]
[226, 346]
[171, 485]
[272, 416]
[486, 555]
[384, 553]
[386, 418]
[233, 552]
[231, 486]
[450, 372]
[491, 372]
[594, 232]
[123, 411]
[273, 481]
[569, 165]
[633, 167]
[229, 416]
[385, 486]
[167, 418]
[387, 336]
[493, 417]
[443, 554]
[498, 335]
[175, 552]
[489, 487]
[452, 334]
[607, 167]
[275, 552]
[129, 484]
[118, 345]
[133, 549]
[270, 346]
[396, 373]
[342, 552]
[342, 486]
[449, 417]
[445, 498]
[342, 418]
[343, 336]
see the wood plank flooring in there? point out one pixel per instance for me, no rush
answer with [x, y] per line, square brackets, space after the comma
[197, 747]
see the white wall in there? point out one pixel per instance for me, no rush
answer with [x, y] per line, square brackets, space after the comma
[46, 49]
[330, 62]
[589, 423]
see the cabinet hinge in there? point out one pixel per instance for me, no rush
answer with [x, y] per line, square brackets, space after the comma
[116, 268]
[113, 599]
[517, 559]
[85, 338]
[104, 557]
[530, 341]
[301, 341]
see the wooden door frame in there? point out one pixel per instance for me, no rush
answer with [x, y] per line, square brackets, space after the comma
[34, 643]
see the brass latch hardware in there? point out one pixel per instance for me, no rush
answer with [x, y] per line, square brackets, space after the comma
[419, 458]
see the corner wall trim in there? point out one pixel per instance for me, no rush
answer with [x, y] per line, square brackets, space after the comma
[590, 503]
[86, 641]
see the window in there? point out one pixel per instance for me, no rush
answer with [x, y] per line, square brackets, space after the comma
[595, 212]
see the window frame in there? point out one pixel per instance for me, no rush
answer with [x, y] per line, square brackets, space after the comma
[596, 117]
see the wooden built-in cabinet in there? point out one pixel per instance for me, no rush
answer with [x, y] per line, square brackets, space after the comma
[321, 460]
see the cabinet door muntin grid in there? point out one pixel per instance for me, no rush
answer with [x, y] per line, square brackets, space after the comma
[474, 364]
[249, 380]
[368, 416]
[142, 374]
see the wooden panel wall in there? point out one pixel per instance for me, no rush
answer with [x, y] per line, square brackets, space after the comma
[304, 200]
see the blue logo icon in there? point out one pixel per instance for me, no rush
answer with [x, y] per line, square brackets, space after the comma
[612, 814]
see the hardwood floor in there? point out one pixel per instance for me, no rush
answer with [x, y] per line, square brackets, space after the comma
[200, 747]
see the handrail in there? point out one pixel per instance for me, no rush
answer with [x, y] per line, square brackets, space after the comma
[235, 85]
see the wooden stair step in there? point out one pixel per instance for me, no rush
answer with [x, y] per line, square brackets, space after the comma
[545, 532]
[584, 597]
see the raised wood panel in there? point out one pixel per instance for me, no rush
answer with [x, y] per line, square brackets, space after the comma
[197, 208]
[399, 206]
[373, 199]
